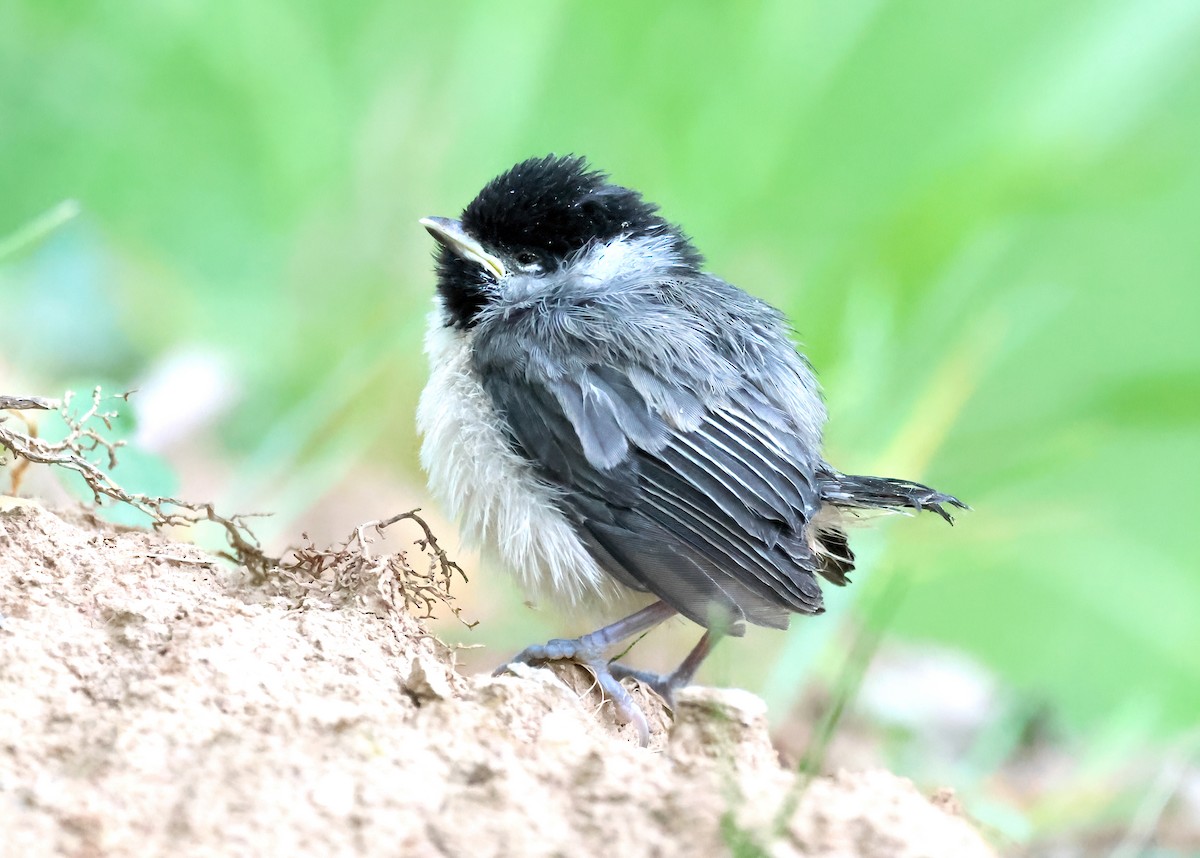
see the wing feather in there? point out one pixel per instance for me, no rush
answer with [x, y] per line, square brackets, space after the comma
[707, 532]
[790, 475]
[705, 507]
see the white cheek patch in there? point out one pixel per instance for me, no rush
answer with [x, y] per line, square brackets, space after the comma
[626, 257]
[622, 261]
[519, 288]
[502, 507]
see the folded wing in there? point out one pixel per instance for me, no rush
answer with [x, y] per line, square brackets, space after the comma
[704, 505]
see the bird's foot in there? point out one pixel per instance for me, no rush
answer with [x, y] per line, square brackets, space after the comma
[663, 684]
[589, 651]
[592, 657]
[666, 684]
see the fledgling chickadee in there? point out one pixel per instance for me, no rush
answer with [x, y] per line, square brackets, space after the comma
[619, 427]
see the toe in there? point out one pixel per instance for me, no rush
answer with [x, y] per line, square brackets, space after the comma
[624, 704]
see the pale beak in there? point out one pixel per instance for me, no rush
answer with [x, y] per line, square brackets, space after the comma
[449, 233]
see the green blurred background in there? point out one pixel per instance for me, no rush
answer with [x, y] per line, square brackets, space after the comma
[982, 217]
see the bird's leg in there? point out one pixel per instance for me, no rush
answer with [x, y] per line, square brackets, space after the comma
[589, 650]
[665, 685]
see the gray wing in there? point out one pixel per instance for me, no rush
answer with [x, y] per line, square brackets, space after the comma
[710, 519]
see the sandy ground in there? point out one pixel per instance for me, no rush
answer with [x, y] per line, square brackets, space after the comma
[150, 704]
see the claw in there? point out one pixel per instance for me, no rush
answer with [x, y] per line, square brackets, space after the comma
[622, 700]
[589, 651]
[578, 651]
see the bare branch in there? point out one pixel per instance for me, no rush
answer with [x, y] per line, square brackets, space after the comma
[84, 441]
[28, 403]
[388, 582]
[347, 570]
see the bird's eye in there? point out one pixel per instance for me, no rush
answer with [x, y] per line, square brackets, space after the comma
[528, 260]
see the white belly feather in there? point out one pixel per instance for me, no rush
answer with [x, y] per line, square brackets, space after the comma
[502, 508]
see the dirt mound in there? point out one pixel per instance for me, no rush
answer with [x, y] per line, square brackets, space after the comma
[149, 704]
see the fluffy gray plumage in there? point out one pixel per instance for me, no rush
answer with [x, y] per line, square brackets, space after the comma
[664, 413]
[683, 425]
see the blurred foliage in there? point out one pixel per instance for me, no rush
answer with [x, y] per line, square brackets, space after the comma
[981, 217]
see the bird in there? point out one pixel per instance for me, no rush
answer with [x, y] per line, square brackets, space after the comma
[625, 432]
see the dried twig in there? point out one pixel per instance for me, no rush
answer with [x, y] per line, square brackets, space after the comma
[28, 403]
[84, 441]
[352, 569]
[339, 572]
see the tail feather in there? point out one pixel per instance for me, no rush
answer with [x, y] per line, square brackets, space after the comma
[835, 559]
[859, 492]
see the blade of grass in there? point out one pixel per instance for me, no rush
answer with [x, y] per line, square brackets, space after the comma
[933, 416]
[38, 229]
